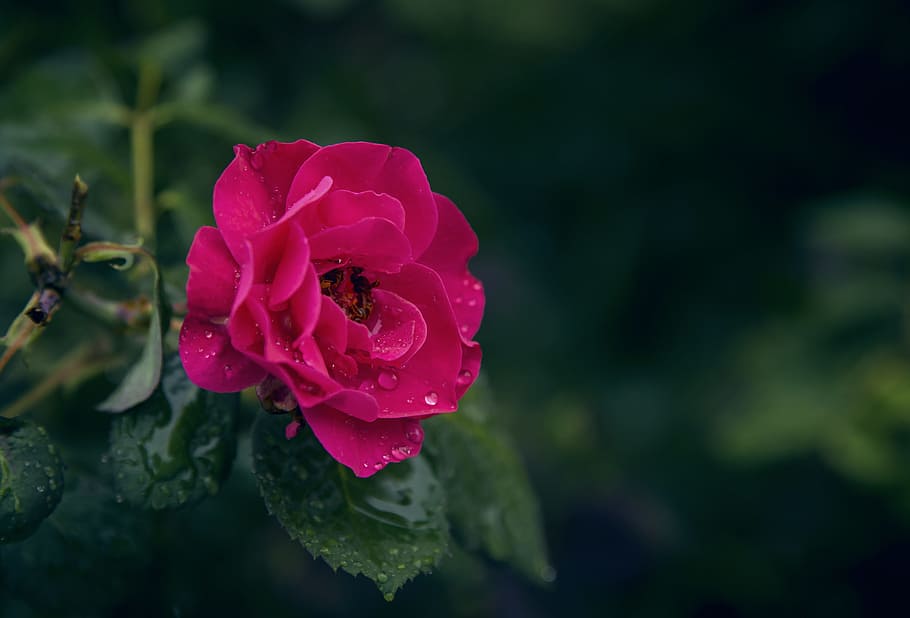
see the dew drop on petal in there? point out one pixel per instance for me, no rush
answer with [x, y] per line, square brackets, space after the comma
[228, 370]
[477, 287]
[414, 433]
[472, 302]
[464, 377]
[431, 398]
[400, 452]
[208, 334]
[459, 300]
[387, 379]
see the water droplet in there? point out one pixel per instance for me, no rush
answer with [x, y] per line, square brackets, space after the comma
[119, 499]
[378, 465]
[387, 379]
[105, 458]
[472, 302]
[401, 451]
[477, 287]
[431, 398]
[464, 377]
[228, 370]
[382, 577]
[388, 596]
[459, 300]
[208, 334]
[40, 489]
[414, 433]
[465, 328]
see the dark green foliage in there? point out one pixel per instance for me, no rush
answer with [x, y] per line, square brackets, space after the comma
[389, 527]
[89, 550]
[31, 478]
[489, 499]
[175, 448]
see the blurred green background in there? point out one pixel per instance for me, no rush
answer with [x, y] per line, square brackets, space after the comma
[694, 221]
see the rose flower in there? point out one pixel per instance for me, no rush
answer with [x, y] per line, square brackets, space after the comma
[337, 282]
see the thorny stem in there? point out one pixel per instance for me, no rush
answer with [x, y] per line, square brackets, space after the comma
[72, 232]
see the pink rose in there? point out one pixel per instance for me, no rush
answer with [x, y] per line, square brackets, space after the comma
[337, 281]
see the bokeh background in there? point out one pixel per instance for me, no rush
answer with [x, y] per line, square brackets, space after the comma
[695, 240]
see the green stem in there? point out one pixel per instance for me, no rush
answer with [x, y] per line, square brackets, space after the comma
[143, 170]
[141, 134]
[82, 361]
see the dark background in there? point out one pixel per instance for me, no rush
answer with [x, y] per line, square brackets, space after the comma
[695, 239]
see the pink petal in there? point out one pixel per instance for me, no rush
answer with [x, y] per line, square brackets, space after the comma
[264, 250]
[470, 367]
[307, 302]
[454, 244]
[354, 403]
[398, 329]
[372, 244]
[343, 207]
[251, 192]
[271, 339]
[211, 362]
[364, 447]
[359, 338]
[362, 166]
[293, 267]
[332, 329]
[426, 383]
[212, 282]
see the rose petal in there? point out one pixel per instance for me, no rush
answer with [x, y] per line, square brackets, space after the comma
[396, 326]
[372, 244]
[251, 192]
[211, 362]
[332, 329]
[212, 282]
[341, 207]
[454, 244]
[426, 383]
[364, 447]
[470, 367]
[293, 267]
[362, 166]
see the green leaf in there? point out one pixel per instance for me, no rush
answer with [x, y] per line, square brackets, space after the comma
[31, 478]
[176, 447]
[143, 377]
[490, 501]
[390, 527]
[86, 554]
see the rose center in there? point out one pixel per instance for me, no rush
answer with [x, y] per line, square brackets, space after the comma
[350, 290]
